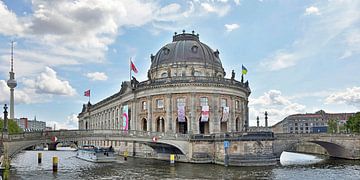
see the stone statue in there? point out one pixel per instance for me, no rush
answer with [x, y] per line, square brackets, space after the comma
[192, 71]
[232, 75]
[169, 72]
[149, 75]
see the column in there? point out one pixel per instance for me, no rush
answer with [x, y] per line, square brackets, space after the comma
[133, 115]
[194, 122]
[232, 120]
[149, 111]
[168, 124]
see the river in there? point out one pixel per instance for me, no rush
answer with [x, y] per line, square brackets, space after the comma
[25, 166]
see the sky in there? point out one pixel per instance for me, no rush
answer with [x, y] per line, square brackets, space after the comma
[301, 56]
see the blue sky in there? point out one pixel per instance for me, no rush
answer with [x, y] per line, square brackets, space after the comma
[301, 56]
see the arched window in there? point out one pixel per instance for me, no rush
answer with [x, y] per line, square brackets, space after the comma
[164, 75]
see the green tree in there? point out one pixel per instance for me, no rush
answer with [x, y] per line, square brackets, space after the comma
[13, 127]
[353, 124]
[332, 126]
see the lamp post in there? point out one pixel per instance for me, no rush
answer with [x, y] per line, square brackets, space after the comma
[5, 129]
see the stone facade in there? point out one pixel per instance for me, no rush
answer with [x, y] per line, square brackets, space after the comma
[192, 78]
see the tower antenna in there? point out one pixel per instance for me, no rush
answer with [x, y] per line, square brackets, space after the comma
[12, 56]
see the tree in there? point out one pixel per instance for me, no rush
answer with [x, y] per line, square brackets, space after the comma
[13, 127]
[332, 126]
[353, 124]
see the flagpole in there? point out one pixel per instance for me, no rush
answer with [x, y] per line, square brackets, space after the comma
[130, 68]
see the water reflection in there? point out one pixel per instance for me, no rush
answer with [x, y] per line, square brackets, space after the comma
[24, 166]
[290, 158]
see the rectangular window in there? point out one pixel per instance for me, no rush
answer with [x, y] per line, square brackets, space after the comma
[144, 106]
[203, 101]
[237, 105]
[223, 102]
[160, 103]
[180, 102]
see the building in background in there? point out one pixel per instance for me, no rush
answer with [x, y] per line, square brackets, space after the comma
[310, 122]
[48, 128]
[30, 125]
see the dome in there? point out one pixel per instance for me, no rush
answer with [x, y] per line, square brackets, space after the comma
[186, 48]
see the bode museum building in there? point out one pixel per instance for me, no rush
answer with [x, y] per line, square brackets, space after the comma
[186, 92]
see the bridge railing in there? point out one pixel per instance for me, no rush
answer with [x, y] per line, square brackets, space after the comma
[96, 133]
[302, 135]
[248, 136]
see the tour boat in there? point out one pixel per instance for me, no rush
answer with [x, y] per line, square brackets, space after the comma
[96, 154]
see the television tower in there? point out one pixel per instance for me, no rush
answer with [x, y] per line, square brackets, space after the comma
[12, 82]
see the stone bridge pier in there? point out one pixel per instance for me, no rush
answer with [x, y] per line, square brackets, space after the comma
[345, 146]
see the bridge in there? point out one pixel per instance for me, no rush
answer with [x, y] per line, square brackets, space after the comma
[178, 143]
[249, 149]
[345, 146]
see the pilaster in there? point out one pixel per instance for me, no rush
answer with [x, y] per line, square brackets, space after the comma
[168, 120]
[194, 123]
[215, 120]
[232, 122]
[149, 113]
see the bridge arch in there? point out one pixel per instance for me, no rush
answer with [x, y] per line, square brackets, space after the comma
[333, 149]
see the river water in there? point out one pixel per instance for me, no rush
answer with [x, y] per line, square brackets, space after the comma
[25, 166]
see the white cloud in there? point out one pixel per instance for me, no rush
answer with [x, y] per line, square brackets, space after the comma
[71, 122]
[97, 76]
[312, 10]
[22, 95]
[277, 106]
[48, 83]
[231, 27]
[237, 2]
[350, 96]
[10, 24]
[220, 10]
[335, 29]
[61, 33]
[279, 60]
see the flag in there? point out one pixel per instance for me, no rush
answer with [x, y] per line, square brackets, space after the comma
[204, 114]
[181, 113]
[125, 124]
[87, 93]
[132, 67]
[225, 114]
[244, 70]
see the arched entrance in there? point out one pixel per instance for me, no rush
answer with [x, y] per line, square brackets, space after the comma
[160, 124]
[204, 127]
[181, 127]
[237, 124]
[223, 126]
[144, 124]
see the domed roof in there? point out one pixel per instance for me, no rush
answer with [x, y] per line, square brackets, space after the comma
[186, 47]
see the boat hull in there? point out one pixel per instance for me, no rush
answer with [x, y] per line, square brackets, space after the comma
[98, 157]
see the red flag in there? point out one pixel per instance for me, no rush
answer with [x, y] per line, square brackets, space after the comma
[132, 67]
[87, 93]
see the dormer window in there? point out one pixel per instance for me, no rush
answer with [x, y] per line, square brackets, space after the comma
[194, 49]
[164, 75]
[166, 50]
